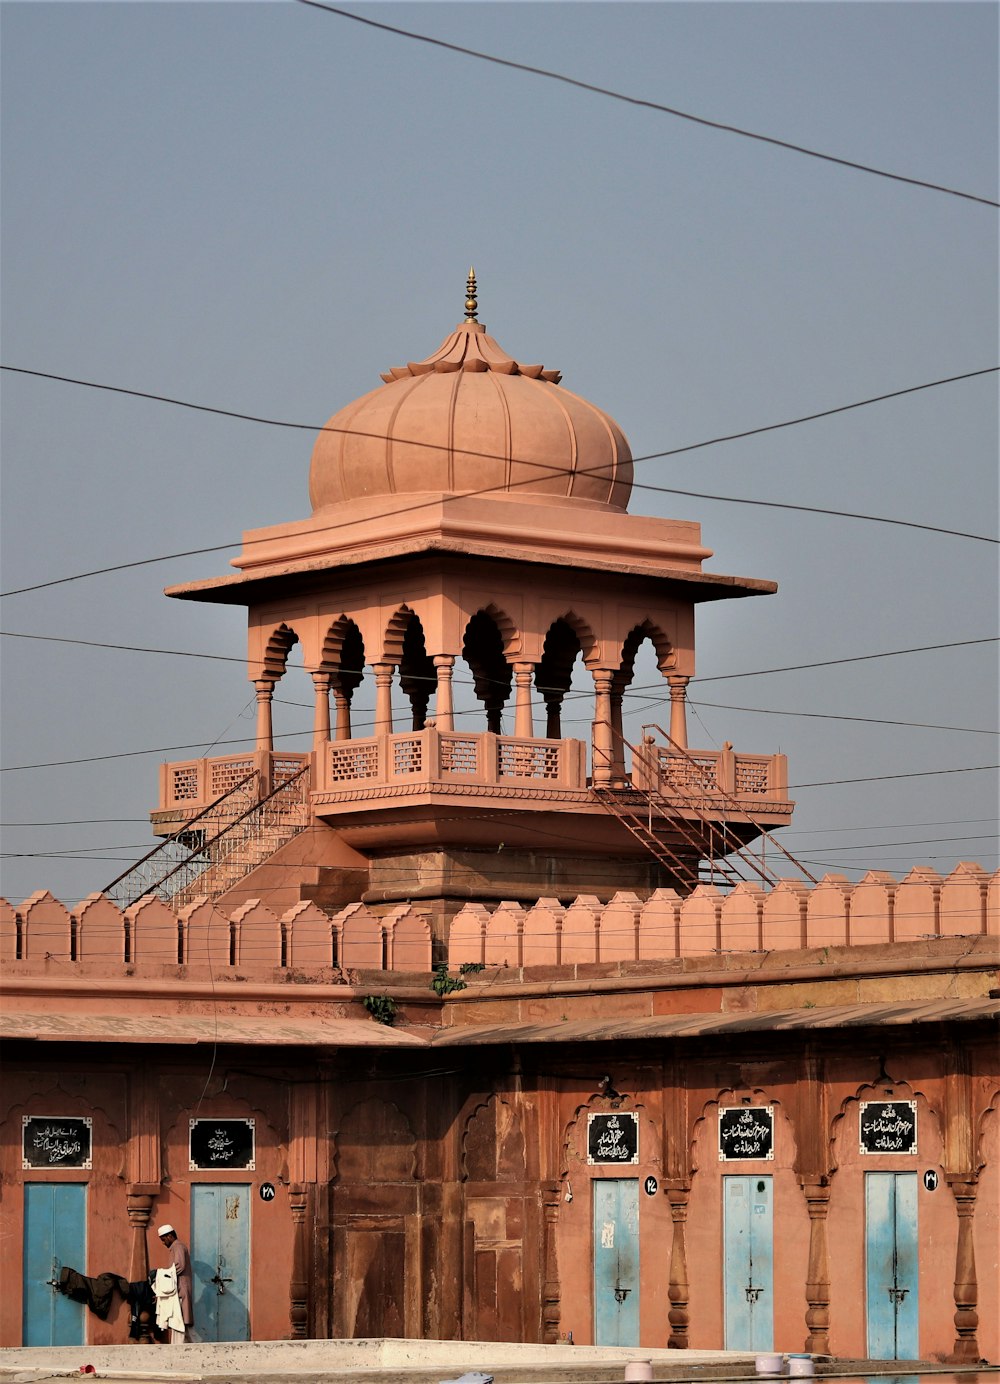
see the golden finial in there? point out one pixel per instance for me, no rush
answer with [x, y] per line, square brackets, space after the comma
[471, 306]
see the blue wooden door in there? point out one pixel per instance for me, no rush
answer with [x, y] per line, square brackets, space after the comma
[891, 1266]
[748, 1237]
[616, 1262]
[55, 1234]
[220, 1260]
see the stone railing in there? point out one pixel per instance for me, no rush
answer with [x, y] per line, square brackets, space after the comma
[699, 772]
[190, 785]
[437, 756]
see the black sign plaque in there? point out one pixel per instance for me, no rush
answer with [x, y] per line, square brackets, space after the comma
[746, 1131]
[613, 1138]
[222, 1144]
[56, 1141]
[888, 1126]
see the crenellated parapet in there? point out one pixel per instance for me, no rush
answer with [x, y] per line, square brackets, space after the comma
[877, 910]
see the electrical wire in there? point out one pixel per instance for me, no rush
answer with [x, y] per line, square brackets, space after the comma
[571, 695]
[645, 104]
[831, 716]
[883, 778]
[549, 470]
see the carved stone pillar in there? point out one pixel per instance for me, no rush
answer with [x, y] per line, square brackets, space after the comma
[523, 728]
[321, 714]
[817, 1195]
[966, 1347]
[617, 736]
[298, 1288]
[383, 698]
[553, 715]
[551, 1312]
[678, 708]
[603, 756]
[265, 691]
[139, 1202]
[678, 1292]
[444, 706]
[342, 702]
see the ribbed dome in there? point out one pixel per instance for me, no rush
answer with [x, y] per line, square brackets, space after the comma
[470, 418]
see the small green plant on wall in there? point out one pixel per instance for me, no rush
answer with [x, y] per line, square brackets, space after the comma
[443, 983]
[382, 1008]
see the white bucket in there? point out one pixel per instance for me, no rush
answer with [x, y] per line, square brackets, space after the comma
[639, 1370]
[800, 1366]
[769, 1365]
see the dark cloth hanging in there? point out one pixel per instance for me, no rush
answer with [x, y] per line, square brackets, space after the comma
[142, 1310]
[95, 1292]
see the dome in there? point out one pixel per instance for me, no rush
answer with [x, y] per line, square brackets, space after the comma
[469, 419]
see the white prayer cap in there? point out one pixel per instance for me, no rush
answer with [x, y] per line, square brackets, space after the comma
[166, 1230]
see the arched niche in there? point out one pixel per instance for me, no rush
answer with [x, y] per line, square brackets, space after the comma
[493, 1148]
[937, 1222]
[706, 1248]
[374, 1142]
[577, 1234]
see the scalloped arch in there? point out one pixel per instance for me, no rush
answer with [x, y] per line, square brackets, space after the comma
[600, 1103]
[991, 1109]
[713, 1104]
[510, 635]
[395, 633]
[282, 639]
[338, 633]
[666, 654]
[872, 1087]
[589, 647]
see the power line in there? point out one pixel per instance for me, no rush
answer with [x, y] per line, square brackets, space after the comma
[882, 778]
[571, 695]
[889, 826]
[830, 716]
[531, 465]
[855, 658]
[648, 105]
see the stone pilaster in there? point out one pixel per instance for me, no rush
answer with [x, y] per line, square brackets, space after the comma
[679, 1292]
[551, 1303]
[298, 1288]
[966, 1348]
[817, 1195]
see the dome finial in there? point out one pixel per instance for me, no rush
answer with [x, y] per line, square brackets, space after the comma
[471, 306]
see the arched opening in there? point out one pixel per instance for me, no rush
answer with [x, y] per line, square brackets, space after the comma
[561, 658]
[417, 676]
[280, 722]
[344, 663]
[483, 651]
[636, 695]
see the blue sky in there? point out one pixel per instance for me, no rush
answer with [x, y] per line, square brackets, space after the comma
[261, 206]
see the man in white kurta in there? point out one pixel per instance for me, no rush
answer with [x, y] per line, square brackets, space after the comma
[180, 1262]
